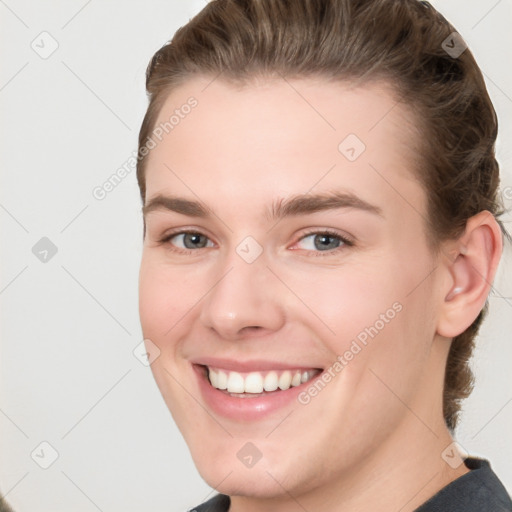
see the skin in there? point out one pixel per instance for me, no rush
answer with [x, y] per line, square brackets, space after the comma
[373, 438]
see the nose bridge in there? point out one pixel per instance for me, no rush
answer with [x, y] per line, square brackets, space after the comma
[244, 294]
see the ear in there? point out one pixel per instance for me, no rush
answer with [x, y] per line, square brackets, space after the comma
[469, 274]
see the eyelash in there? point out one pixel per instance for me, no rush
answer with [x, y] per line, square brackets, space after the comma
[346, 242]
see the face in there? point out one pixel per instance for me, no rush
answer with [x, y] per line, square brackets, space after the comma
[286, 282]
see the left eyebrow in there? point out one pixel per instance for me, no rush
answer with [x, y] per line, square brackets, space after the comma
[312, 203]
[304, 204]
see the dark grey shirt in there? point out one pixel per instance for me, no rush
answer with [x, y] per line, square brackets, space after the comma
[480, 490]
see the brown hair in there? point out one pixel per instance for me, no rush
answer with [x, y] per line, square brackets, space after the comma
[400, 41]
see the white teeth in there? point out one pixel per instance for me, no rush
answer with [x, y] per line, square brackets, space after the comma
[257, 382]
[271, 381]
[235, 383]
[222, 380]
[214, 378]
[285, 381]
[296, 379]
[254, 383]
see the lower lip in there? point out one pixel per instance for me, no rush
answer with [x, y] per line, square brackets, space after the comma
[250, 408]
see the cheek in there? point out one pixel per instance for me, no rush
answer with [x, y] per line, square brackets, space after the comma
[372, 312]
[165, 297]
[380, 343]
[345, 302]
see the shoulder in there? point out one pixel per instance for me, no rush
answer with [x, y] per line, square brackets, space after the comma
[480, 490]
[219, 503]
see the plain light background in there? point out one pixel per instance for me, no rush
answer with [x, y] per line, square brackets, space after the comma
[69, 325]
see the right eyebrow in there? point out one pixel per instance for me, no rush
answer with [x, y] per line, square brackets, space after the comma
[176, 204]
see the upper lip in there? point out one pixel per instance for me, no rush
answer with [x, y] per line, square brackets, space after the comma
[253, 365]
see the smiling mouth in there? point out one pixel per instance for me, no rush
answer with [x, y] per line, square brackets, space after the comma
[257, 383]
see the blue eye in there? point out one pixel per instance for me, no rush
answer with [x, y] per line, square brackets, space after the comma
[322, 241]
[190, 240]
[325, 242]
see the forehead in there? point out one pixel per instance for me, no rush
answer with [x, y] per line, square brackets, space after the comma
[284, 136]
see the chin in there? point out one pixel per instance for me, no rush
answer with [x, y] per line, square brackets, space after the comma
[266, 479]
[256, 483]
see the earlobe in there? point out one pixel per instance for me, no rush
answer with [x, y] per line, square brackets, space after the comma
[470, 274]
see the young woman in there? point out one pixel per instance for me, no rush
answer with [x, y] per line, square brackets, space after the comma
[321, 231]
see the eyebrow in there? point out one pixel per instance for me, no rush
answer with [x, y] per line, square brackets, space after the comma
[284, 207]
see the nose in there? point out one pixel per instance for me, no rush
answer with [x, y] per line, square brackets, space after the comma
[244, 300]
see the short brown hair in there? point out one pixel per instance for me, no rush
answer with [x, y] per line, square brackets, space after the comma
[399, 41]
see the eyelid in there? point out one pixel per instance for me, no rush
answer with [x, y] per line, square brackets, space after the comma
[347, 240]
[328, 231]
[166, 238]
[183, 230]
